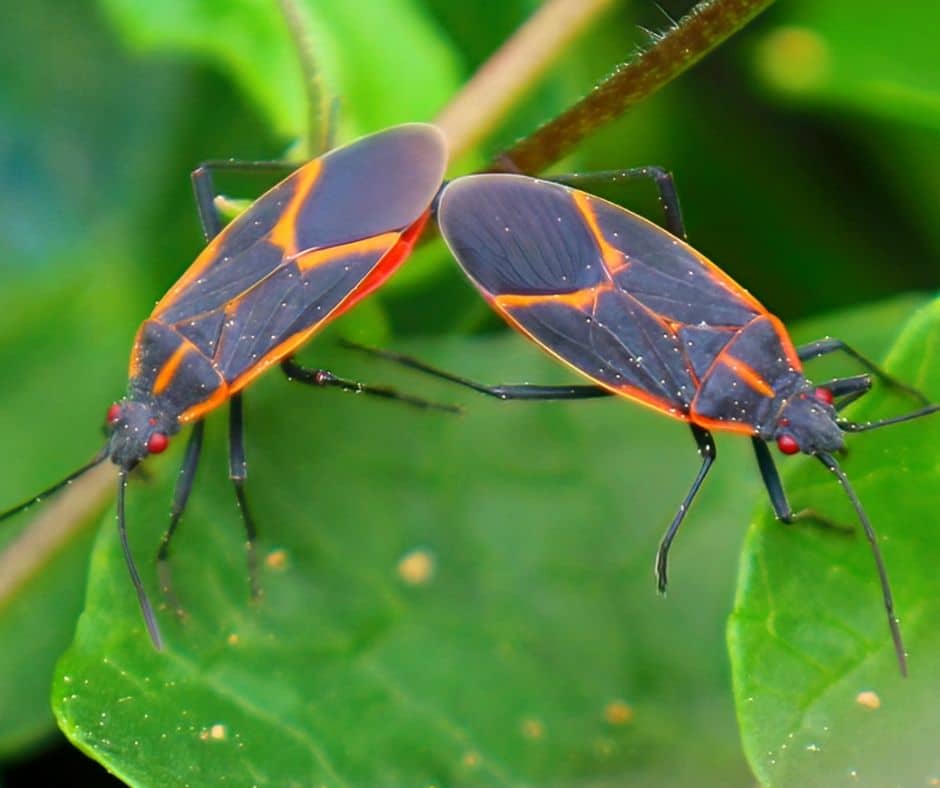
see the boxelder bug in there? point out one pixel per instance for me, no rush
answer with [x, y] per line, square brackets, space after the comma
[302, 254]
[644, 316]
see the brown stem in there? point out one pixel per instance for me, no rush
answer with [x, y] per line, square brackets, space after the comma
[56, 525]
[706, 26]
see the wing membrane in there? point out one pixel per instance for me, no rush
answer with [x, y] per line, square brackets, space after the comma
[281, 268]
[606, 291]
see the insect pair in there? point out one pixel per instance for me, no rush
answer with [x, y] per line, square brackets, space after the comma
[617, 298]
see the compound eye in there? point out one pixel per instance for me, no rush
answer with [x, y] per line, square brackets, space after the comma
[787, 444]
[157, 443]
[823, 395]
[113, 415]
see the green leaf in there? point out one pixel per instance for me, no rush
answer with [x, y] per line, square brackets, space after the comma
[386, 61]
[521, 658]
[809, 634]
[830, 54]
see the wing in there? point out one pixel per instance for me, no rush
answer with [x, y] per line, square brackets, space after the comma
[331, 231]
[609, 293]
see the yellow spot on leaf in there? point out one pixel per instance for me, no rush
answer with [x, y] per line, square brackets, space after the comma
[532, 728]
[868, 700]
[618, 713]
[416, 568]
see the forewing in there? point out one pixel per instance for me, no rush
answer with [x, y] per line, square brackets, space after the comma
[606, 291]
[282, 267]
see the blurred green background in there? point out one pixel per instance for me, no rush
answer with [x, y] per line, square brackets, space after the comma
[805, 152]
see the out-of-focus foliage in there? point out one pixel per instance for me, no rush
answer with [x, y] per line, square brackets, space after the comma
[805, 153]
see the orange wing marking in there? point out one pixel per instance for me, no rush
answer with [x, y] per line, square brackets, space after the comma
[780, 330]
[387, 266]
[630, 392]
[306, 176]
[293, 342]
[200, 409]
[614, 259]
[377, 243]
[207, 257]
[284, 233]
[726, 426]
[726, 281]
[583, 299]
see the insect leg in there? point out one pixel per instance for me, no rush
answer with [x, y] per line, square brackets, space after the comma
[323, 377]
[665, 186]
[238, 472]
[184, 485]
[846, 390]
[778, 498]
[708, 452]
[823, 347]
[523, 391]
[205, 193]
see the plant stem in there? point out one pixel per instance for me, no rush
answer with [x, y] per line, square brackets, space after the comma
[706, 26]
[317, 134]
[58, 522]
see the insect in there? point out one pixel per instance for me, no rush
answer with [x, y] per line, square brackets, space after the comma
[644, 316]
[305, 252]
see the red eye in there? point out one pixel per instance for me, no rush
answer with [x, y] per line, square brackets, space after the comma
[824, 395]
[114, 413]
[787, 444]
[157, 443]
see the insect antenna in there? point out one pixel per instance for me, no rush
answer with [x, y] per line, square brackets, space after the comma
[145, 607]
[851, 426]
[829, 461]
[100, 457]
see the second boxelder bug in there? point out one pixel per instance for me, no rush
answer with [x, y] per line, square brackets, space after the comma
[302, 254]
[644, 316]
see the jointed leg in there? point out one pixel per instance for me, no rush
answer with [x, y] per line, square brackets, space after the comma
[846, 390]
[323, 377]
[778, 498]
[238, 472]
[823, 347]
[665, 185]
[184, 485]
[854, 387]
[205, 193]
[708, 452]
[523, 391]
